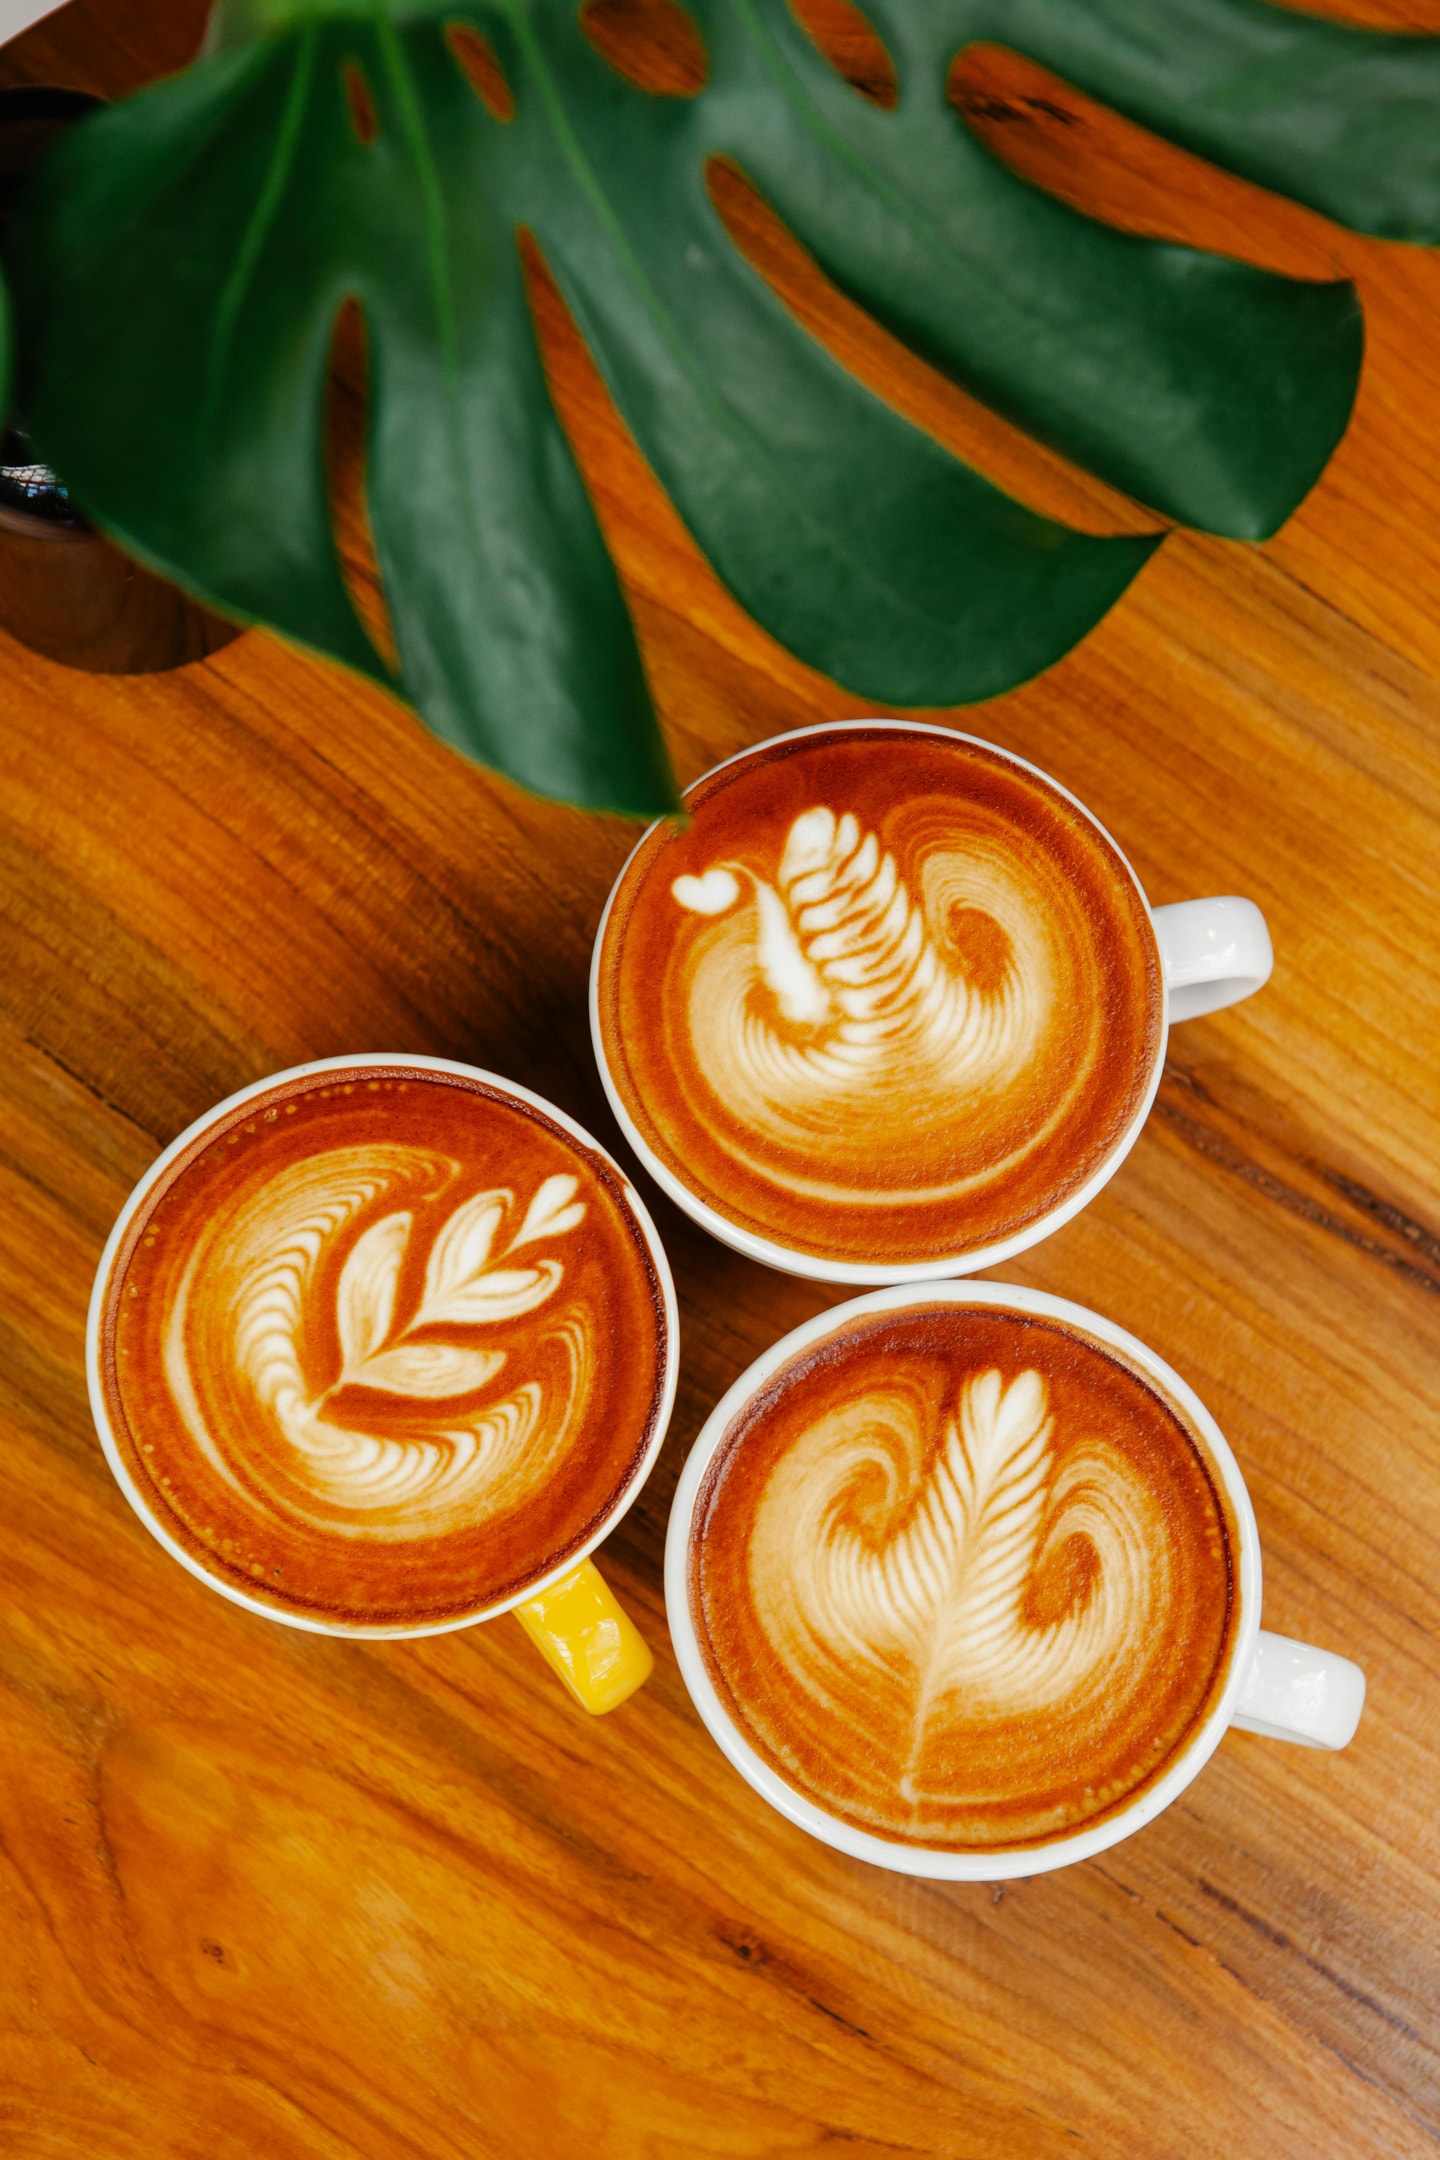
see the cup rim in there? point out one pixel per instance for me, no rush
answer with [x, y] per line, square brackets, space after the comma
[997, 1863]
[814, 1267]
[94, 1341]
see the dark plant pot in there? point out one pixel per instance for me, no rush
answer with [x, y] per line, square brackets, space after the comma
[65, 591]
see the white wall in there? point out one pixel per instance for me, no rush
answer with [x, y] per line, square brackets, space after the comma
[17, 15]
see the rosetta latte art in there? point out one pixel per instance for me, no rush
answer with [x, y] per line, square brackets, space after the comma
[384, 1347]
[962, 1577]
[461, 1433]
[946, 1599]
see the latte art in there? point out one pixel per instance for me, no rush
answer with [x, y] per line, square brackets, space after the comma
[961, 1602]
[860, 996]
[384, 1348]
[340, 1470]
[951, 1594]
[887, 998]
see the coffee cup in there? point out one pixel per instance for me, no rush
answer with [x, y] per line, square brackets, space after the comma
[892, 1004]
[384, 1346]
[965, 1581]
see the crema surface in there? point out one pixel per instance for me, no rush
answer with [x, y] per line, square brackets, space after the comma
[886, 999]
[384, 1349]
[963, 1578]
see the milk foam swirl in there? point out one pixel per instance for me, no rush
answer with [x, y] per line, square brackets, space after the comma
[862, 1000]
[850, 965]
[871, 1549]
[441, 1443]
[382, 1347]
[889, 998]
[962, 1576]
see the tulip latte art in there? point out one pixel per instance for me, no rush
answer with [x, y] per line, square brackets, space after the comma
[888, 998]
[384, 1348]
[963, 1578]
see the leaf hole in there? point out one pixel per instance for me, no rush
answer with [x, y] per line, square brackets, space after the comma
[363, 116]
[476, 59]
[654, 44]
[347, 412]
[993, 88]
[1111, 168]
[853, 46]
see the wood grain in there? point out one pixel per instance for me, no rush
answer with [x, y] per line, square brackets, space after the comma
[262, 1893]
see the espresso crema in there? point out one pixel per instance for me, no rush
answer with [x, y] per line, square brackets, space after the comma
[383, 1348]
[963, 1578]
[887, 998]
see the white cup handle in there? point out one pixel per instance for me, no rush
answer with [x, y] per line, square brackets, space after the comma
[1213, 952]
[1292, 1691]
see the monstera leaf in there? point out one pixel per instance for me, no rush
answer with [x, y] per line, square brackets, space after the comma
[182, 258]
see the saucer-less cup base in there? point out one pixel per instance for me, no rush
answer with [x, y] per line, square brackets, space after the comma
[1212, 953]
[1287, 1690]
[571, 1616]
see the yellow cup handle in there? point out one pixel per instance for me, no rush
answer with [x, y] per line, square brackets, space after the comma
[596, 1648]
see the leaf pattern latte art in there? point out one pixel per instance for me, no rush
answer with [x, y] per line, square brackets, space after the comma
[926, 1576]
[446, 1444]
[462, 1288]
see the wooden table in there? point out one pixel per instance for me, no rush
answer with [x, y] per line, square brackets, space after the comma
[263, 1894]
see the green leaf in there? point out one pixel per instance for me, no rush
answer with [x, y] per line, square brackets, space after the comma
[183, 274]
[1333, 115]
[1212, 391]
[180, 261]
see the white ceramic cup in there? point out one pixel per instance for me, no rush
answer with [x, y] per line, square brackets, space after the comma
[1212, 953]
[1288, 1690]
[587, 1638]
